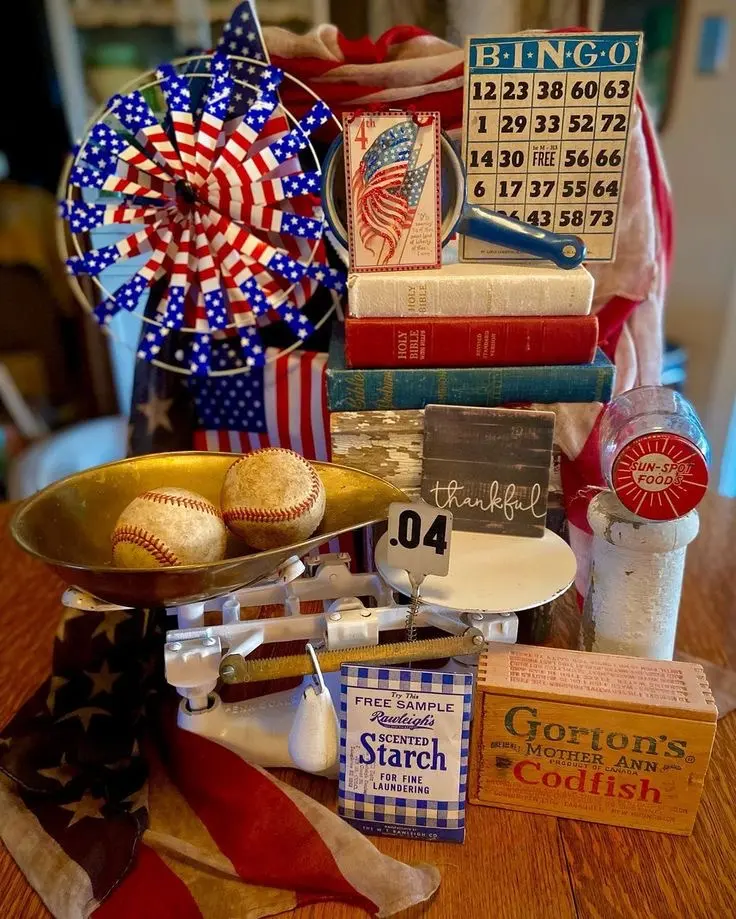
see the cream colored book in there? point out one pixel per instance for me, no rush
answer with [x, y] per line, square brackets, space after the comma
[464, 289]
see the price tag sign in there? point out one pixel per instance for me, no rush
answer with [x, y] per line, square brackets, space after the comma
[545, 133]
[419, 539]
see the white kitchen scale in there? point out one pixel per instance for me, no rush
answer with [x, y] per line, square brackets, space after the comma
[490, 579]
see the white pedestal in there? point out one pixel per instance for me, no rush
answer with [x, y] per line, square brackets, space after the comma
[636, 578]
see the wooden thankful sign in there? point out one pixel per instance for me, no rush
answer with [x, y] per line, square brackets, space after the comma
[489, 467]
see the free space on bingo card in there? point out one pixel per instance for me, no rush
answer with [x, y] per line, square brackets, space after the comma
[545, 130]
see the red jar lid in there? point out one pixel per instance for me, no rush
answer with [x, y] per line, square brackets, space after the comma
[660, 476]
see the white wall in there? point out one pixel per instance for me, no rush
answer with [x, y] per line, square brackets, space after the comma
[699, 141]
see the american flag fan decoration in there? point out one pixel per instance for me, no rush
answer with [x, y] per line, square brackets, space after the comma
[198, 171]
[387, 187]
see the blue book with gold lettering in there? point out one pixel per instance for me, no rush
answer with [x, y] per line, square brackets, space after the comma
[375, 390]
[404, 742]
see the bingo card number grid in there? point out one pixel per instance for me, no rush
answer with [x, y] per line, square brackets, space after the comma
[546, 123]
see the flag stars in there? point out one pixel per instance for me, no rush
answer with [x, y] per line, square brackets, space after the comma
[138, 800]
[88, 806]
[111, 620]
[85, 715]
[62, 774]
[57, 682]
[103, 680]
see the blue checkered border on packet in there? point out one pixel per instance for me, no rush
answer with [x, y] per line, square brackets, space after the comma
[402, 811]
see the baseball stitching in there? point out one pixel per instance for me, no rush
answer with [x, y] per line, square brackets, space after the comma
[137, 536]
[181, 501]
[263, 515]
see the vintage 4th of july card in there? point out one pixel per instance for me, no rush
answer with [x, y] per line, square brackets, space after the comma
[392, 178]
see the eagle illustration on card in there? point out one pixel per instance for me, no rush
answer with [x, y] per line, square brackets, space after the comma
[392, 179]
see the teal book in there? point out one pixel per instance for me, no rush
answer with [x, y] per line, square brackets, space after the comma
[376, 390]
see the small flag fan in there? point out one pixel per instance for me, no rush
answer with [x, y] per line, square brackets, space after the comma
[209, 188]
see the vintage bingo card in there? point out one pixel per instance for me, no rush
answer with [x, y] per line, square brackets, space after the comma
[546, 125]
[392, 178]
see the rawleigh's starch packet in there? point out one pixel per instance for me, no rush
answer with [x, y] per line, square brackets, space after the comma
[404, 739]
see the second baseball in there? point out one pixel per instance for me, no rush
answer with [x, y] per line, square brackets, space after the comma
[272, 498]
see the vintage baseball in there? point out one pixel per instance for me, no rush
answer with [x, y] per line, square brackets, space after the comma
[272, 498]
[168, 526]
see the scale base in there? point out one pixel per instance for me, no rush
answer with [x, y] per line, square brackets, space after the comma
[263, 731]
[288, 729]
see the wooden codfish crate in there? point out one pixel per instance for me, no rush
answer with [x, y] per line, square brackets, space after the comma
[597, 737]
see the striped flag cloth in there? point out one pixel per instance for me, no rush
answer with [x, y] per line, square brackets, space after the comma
[115, 810]
[280, 405]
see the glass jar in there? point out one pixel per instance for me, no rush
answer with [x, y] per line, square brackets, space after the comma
[654, 452]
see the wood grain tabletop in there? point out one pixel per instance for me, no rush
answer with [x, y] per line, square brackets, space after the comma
[512, 865]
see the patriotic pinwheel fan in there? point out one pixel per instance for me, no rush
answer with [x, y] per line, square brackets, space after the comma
[211, 191]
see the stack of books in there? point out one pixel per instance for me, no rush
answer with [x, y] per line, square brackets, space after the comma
[464, 334]
[468, 334]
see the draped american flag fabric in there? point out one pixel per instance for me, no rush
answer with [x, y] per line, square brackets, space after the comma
[112, 809]
[280, 405]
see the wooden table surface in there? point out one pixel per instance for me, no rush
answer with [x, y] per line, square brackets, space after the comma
[512, 865]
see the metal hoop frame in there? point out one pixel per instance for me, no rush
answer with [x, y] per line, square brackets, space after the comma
[142, 83]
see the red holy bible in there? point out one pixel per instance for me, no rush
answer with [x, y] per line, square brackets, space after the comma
[470, 341]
